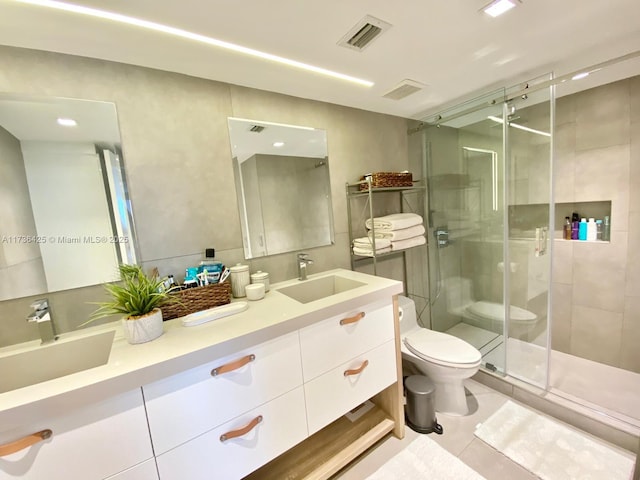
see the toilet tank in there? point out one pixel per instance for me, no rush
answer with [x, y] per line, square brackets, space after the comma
[408, 320]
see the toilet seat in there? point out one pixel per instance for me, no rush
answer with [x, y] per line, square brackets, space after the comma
[444, 349]
[495, 311]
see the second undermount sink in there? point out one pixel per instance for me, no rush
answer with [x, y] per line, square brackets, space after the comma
[318, 288]
[56, 360]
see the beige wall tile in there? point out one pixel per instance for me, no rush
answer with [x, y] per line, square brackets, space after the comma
[602, 116]
[565, 107]
[561, 317]
[631, 335]
[634, 98]
[634, 174]
[601, 172]
[596, 334]
[633, 256]
[562, 262]
[599, 274]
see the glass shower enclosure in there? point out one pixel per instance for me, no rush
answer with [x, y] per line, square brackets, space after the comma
[488, 170]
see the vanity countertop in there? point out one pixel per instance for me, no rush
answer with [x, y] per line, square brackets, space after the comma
[181, 348]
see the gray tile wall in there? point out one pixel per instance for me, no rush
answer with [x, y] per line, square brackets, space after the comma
[596, 287]
[178, 162]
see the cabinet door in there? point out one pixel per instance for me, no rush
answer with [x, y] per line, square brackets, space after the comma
[208, 457]
[89, 444]
[333, 394]
[329, 343]
[188, 404]
[145, 471]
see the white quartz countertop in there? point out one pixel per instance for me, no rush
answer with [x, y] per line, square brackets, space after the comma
[181, 348]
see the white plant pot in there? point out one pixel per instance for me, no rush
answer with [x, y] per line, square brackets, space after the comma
[143, 329]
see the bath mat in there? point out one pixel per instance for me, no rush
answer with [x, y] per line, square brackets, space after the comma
[424, 458]
[549, 449]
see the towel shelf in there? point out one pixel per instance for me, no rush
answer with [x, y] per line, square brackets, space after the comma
[363, 204]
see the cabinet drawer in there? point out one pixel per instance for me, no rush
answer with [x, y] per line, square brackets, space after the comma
[92, 443]
[329, 343]
[333, 394]
[186, 405]
[207, 457]
[145, 471]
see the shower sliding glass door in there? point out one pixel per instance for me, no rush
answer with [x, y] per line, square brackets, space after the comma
[465, 179]
[488, 170]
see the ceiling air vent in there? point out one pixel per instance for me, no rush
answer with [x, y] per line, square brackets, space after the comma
[256, 128]
[404, 89]
[363, 33]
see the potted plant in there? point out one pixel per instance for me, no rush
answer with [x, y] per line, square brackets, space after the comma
[138, 297]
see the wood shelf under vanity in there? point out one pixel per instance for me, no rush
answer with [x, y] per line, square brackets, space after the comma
[328, 450]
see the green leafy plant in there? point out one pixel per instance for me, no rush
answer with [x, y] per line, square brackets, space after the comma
[137, 295]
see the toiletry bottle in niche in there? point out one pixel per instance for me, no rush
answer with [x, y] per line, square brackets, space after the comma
[566, 232]
[575, 224]
[211, 266]
[606, 229]
[598, 229]
[582, 229]
[591, 229]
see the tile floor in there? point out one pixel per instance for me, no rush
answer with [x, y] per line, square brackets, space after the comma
[458, 439]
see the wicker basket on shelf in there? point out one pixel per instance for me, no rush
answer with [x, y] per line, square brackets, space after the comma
[192, 300]
[388, 179]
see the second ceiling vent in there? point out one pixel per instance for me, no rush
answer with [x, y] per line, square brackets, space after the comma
[363, 33]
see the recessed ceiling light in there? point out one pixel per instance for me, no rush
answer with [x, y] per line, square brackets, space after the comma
[138, 22]
[278, 144]
[67, 122]
[498, 7]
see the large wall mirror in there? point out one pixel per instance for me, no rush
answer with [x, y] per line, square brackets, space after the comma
[282, 181]
[65, 210]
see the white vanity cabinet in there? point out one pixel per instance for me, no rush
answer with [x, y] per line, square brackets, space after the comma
[347, 359]
[93, 443]
[255, 394]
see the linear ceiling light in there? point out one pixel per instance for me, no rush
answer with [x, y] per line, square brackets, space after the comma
[116, 17]
[498, 7]
[520, 127]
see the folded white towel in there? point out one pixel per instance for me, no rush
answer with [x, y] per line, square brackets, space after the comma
[368, 252]
[366, 242]
[408, 243]
[402, 234]
[395, 221]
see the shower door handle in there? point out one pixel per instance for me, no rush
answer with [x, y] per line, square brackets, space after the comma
[442, 236]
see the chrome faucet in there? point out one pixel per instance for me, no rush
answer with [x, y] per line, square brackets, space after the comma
[303, 261]
[42, 316]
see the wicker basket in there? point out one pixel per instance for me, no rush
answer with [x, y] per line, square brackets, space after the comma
[192, 300]
[388, 179]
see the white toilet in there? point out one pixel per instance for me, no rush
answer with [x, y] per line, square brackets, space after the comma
[484, 314]
[445, 359]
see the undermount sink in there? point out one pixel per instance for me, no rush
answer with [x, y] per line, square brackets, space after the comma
[55, 360]
[311, 290]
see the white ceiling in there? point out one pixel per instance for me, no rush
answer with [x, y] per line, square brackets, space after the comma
[450, 46]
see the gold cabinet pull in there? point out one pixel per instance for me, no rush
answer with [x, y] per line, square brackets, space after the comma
[358, 370]
[231, 366]
[241, 431]
[25, 442]
[354, 319]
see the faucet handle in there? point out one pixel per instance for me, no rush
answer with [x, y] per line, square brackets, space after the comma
[304, 257]
[40, 304]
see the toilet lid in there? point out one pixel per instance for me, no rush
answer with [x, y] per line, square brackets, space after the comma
[495, 311]
[441, 347]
